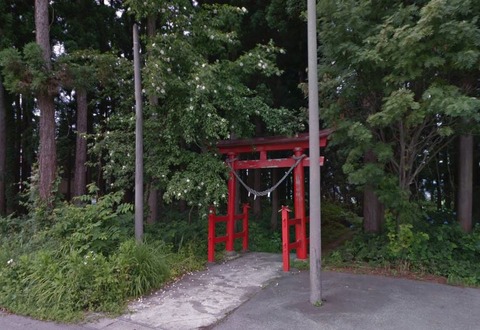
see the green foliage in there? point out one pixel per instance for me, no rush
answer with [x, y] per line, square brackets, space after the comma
[141, 267]
[263, 239]
[98, 227]
[86, 260]
[201, 87]
[62, 285]
[396, 81]
[435, 245]
[177, 231]
[26, 72]
[337, 221]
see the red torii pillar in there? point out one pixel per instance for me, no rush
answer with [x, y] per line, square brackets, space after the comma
[299, 205]
[232, 182]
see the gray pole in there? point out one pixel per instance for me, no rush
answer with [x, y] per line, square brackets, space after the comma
[138, 139]
[315, 220]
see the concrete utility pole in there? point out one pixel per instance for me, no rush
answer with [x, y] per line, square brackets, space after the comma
[138, 139]
[315, 220]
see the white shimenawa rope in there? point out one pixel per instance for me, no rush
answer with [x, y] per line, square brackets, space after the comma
[267, 192]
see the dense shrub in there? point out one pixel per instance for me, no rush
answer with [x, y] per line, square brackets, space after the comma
[428, 245]
[85, 260]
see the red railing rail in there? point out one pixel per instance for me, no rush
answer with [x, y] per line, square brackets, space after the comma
[213, 219]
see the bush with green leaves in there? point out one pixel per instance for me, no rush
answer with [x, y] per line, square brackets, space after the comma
[429, 246]
[84, 259]
[97, 226]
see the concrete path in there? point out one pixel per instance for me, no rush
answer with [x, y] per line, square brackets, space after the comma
[201, 299]
[251, 292]
[360, 302]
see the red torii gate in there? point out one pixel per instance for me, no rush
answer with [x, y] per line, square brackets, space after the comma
[232, 148]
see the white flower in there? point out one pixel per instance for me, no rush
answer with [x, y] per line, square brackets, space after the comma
[9, 261]
[244, 9]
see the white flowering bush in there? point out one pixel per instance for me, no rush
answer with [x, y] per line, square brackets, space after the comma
[200, 85]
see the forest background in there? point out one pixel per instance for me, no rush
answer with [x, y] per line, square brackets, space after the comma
[398, 83]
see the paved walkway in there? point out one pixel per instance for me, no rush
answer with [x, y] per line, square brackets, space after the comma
[251, 292]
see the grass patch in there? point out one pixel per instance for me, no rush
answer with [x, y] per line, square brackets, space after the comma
[83, 260]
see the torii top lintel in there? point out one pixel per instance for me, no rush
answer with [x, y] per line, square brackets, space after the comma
[273, 143]
[297, 144]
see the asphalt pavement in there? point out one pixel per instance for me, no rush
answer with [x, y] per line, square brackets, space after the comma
[251, 292]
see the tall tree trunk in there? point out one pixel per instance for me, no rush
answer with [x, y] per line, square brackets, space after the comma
[153, 100]
[48, 153]
[80, 184]
[465, 176]
[373, 212]
[3, 149]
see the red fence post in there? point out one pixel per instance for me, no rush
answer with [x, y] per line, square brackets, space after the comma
[285, 239]
[245, 226]
[211, 234]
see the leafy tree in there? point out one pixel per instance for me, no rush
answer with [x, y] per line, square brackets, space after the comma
[83, 63]
[203, 96]
[16, 26]
[395, 82]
